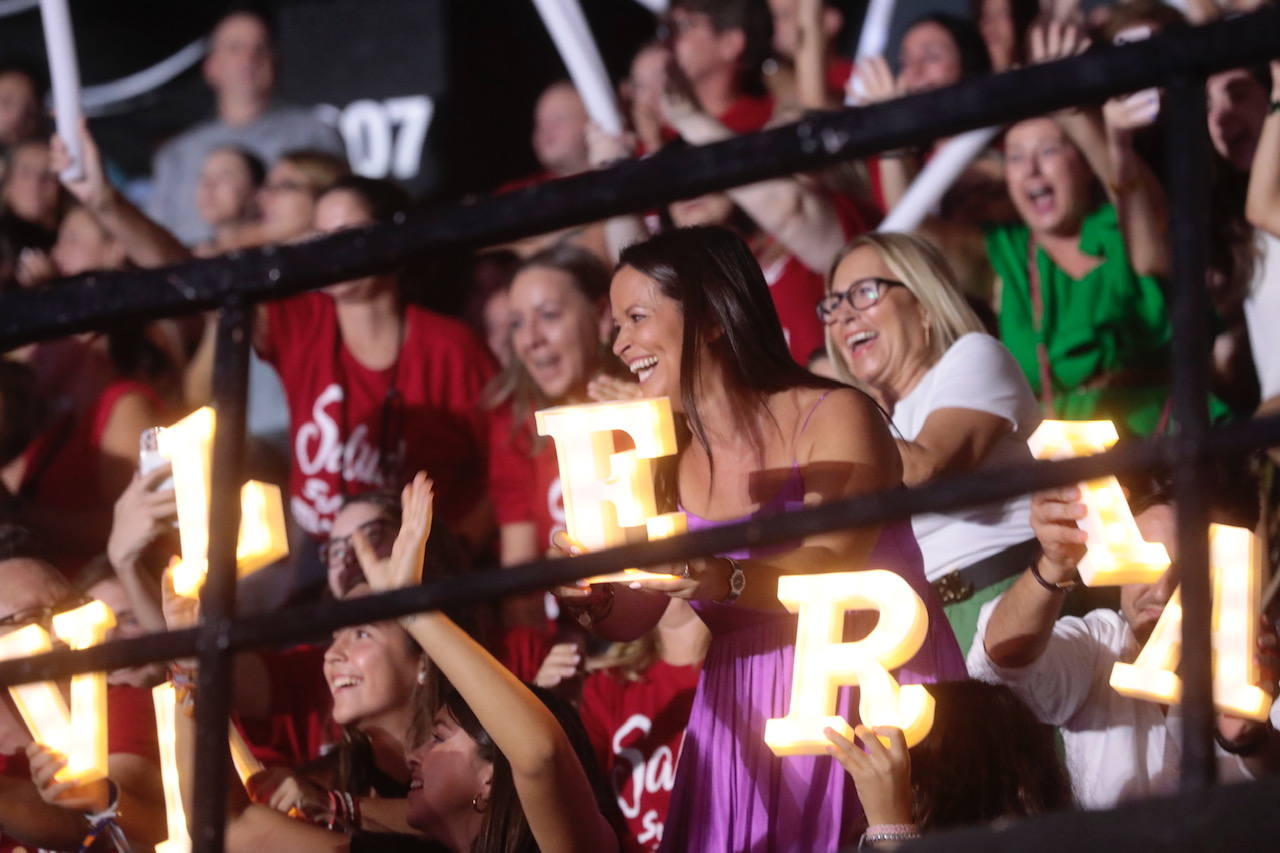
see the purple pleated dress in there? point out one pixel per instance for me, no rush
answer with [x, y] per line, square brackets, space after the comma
[731, 793]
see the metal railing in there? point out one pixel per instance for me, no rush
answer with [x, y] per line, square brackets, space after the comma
[1179, 61]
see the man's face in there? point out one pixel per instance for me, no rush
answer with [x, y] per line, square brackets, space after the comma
[1141, 604]
[559, 131]
[241, 59]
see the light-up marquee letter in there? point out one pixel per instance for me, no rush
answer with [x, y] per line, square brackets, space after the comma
[188, 445]
[608, 492]
[1234, 555]
[1117, 554]
[823, 663]
[165, 700]
[80, 734]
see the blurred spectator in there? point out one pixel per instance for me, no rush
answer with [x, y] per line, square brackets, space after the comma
[226, 196]
[721, 46]
[241, 69]
[937, 51]
[1004, 25]
[559, 120]
[559, 143]
[20, 111]
[488, 310]
[1117, 748]
[288, 195]
[44, 816]
[642, 93]
[804, 35]
[377, 388]
[31, 191]
[1262, 304]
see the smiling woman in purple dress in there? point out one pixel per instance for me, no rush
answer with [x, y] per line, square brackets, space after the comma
[696, 324]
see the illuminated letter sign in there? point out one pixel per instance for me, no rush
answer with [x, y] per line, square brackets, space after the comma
[1237, 591]
[1117, 554]
[188, 445]
[823, 663]
[81, 733]
[607, 492]
[166, 704]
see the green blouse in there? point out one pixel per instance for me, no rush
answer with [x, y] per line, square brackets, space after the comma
[1106, 335]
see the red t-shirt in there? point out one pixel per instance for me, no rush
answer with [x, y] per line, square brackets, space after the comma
[345, 421]
[637, 728]
[524, 486]
[300, 723]
[747, 114]
[131, 730]
[796, 289]
[839, 68]
[61, 463]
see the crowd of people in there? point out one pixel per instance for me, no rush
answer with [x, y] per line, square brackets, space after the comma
[808, 359]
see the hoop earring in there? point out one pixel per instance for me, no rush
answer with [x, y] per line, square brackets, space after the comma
[480, 805]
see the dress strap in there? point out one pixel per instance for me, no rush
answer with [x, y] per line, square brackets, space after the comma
[805, 424]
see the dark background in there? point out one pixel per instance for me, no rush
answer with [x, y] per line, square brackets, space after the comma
[472, 67]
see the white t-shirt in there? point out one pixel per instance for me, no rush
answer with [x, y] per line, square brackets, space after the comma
[977, 373]
[1117, 748]
[1262, 311]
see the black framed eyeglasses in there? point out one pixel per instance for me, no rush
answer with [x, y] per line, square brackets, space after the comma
[861, 295]
[44, 615]
[341, 551]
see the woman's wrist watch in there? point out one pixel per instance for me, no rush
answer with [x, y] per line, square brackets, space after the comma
[737, 582]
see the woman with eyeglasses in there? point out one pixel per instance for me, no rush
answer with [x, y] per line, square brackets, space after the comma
[898, 328]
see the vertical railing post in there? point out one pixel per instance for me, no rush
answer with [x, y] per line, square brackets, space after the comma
[217, 601]
[1188, 185]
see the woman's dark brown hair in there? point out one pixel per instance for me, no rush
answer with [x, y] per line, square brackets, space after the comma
[728, 314]
[986, 758]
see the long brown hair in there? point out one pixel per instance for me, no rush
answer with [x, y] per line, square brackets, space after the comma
[710, 271]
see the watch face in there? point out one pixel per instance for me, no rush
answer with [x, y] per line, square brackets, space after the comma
[737, 581]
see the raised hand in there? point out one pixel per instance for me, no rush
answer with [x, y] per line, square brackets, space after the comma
[1054, 514]
[93, 189]
[283, 790]
[604, 148]
[876, 81]
[881, 774]
[1057, 40]
[604, 388]
[142, 515]
[404, 566]
[1130, 113]
[563, 662]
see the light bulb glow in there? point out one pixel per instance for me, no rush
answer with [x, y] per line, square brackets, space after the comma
[824, 663]
[1117, 554]
[1236, 577]
[262, 539]
[80, 732]
[609, 496]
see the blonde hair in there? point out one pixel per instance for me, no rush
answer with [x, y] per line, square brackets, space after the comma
[928, 276]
